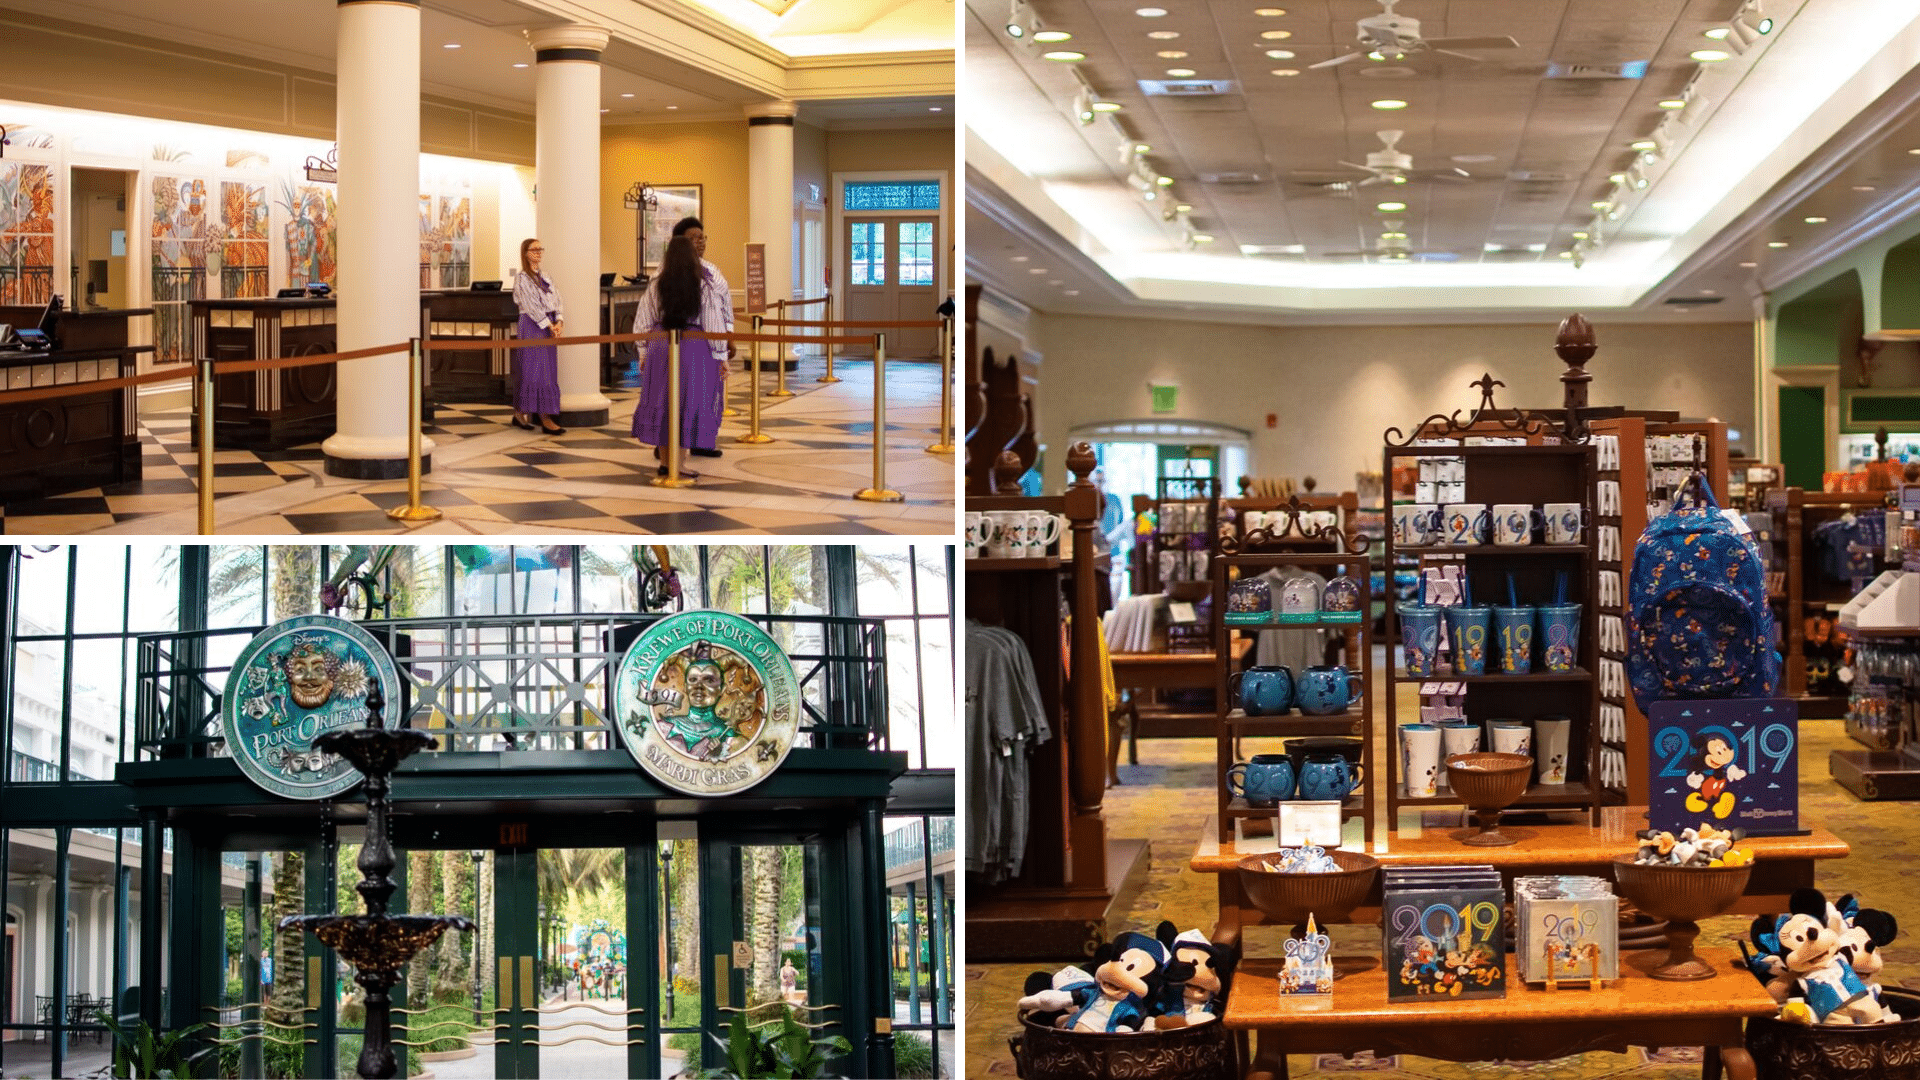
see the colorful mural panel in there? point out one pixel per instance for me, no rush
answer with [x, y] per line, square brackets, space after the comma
[311, 250]
[455, 241]
[26, 233]
[243, 235]
[179, 263]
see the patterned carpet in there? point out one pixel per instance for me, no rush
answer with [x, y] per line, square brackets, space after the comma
[1169, 797]
[489, 477]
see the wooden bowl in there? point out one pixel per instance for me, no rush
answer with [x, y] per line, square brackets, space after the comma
[1328, 897]
[1488, 782]
[1682, 895]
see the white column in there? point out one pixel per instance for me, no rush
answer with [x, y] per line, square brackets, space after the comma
[770, 202]
[566, 168]
[378, 129]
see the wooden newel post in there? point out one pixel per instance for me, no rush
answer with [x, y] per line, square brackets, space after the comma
[1575, 345]
[1087, 776]
[1007, 472]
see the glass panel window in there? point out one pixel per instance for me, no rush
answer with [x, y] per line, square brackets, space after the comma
[869, 253]
[236, 581]
[892, 195]
[99, 601]
[916, 253]
[43, 590]
[921, 903]
[153, 587]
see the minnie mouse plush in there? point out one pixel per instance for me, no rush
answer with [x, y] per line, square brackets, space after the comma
[1197, 979]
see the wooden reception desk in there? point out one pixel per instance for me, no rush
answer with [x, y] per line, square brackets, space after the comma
[69, 443]
[268, 410]
[465, 315]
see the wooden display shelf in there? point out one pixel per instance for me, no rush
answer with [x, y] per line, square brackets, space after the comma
[1496, 452]
[993, 565]
[1237, 807]
[1874, 775]
[1502, 550]
[1578, 674]
[1312, 624]
[1536, 796]
[1347, 723]
[1796, 513]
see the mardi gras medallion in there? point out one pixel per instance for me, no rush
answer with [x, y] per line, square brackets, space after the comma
[295, 681]
[707, 702]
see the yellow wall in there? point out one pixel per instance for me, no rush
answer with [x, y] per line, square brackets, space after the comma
[712, 154]
[903, 150]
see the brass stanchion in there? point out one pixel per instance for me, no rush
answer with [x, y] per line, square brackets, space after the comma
[943, 442]
[829, 377]
[754, 434]
[416, 376]
[780, 356]
[205, 424]
[879, 492]
[726, 372]
[673, 479]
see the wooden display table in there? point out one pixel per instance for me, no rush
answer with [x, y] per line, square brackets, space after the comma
[1781, 863]
[1164, 671]
[1527, 1025]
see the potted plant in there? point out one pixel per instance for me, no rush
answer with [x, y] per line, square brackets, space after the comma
[777, 1048]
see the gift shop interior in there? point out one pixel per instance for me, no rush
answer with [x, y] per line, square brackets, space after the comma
[350, 230]
[1437, 544]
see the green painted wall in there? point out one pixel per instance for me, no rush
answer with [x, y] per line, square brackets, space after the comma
[1803, 434]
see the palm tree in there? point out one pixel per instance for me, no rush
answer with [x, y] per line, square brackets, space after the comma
[289, 997]
[453, 974]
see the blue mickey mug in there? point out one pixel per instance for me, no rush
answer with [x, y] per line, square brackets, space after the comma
[1326, 690]
[1262, 691]
[1264, 780]
[1329, 778]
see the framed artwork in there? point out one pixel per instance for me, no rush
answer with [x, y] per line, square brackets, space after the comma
[672, 202]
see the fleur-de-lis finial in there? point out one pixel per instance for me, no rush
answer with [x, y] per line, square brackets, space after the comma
[1486, 383]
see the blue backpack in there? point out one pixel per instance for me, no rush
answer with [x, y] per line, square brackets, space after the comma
[1698, 623]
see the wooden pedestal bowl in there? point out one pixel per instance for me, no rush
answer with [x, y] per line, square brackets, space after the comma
[1488, 782]
[1682, 895]
[1329, 897]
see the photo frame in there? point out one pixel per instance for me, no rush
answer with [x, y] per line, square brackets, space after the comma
[673, 202]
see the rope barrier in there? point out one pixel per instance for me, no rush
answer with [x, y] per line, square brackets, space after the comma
[47, 393]
[864, 324]
[235, 367]
[415, 511]
[943, 442]
[780, 357]
[754, 435]
[879, 492]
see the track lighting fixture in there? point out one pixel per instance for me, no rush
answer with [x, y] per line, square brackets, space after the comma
[1637, 177]
[1749, 25]
[1083, 107]
[1021, 21]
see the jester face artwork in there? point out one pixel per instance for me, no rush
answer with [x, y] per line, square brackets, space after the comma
[295, 681]
[708, 703]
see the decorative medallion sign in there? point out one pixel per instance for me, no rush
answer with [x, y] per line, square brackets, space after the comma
[709, 704]
[295, 681]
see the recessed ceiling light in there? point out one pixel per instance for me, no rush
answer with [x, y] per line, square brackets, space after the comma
[1748, 265]
[1707, 56]
[1376, 55]
[1776, 243]
[670, 108]
[1142, 148]
[1163, 181]
[1073, 292]
[1098, 106]
[1390, 207]
[626, 95]
[936, 108]
[1150, 12]
[1163, 35]
[1039, 270]
[1616, 178]
[1864, 187]
[1269, 12]
[606, 110]
[1601, 205]
[1393, 236]
[1172, 54]
[1276, 35]
[1202, 238]
[1718, 33]
[1643, 144]
[1065, 56]
[1566, 254]
[1056, 282]
[1280, 54]
[451, 45]
[1915, 150]
[1473, 159]
[1580, 235]
[519, 65]
[1673, 103]
[1052, 37]
[1180, 73]
[1709, 292]
[1183, 208]
[1815, 220]
[1389, 104]
[1536, 248]
[1020, 258]
[1284, 72]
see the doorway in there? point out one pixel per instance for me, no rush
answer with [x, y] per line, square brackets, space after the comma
[892, 276]
[812, 281]
[98, 274]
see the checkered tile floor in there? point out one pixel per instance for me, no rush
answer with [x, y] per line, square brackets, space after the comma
[490, 478]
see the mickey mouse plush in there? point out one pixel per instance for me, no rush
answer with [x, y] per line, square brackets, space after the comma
[1127, 975]
[1197, 977]
[1801, 965]
[1862, 932]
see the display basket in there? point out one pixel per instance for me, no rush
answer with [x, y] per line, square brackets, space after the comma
[1203, 1052]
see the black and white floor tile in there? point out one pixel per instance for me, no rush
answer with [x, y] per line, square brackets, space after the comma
[490, 478]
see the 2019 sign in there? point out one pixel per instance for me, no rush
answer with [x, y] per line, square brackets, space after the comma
[1730, 763]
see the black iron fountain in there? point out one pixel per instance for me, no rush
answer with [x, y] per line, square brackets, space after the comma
[377, 944]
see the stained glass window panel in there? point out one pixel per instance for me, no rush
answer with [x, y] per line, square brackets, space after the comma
[892, 195]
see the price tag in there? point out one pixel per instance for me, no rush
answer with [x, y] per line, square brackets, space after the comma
[1181, 611]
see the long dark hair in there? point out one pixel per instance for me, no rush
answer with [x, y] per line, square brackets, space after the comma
[681, 277]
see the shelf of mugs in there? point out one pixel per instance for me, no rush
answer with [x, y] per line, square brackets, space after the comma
[1519, 452]
[1572, 794]
[1577, 674]
[986, 564]
[1337, 724]
[1325, 620]
[1516, 550]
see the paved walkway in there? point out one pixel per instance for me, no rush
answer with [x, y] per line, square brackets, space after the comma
[582, 1058]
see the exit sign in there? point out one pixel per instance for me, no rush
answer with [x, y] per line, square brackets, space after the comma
[1166, 399]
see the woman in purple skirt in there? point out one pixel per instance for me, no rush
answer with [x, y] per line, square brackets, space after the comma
[536, 367]
[683, 297]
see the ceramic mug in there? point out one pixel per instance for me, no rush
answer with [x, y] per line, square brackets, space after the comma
[1416, 524]
[1559, 636]
[1263, 780]
[1329, 778]
[1513, 523]
[1262, 691]
[1041, 531]
[1326, 690]
[1456, 737]
[1420, 637]
[1316, 745]
[1420, 760]
[1471, 630]
[1008, 540]
[1510, 737]
[1566, 522]
[978, 531]
[1466, 523]
[1550, 734]
[1513, 629]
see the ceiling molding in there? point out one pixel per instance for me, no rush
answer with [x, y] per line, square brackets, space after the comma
[986, 198]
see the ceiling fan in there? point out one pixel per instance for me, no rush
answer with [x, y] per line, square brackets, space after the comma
[1387, 165]
[1395, 37]
[1392, 247]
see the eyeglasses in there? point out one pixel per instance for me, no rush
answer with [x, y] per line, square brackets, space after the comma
[535, 251]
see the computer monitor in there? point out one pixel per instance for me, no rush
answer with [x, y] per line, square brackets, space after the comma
[295, 293]
[50, 321]
[6, 332]
[486, 286]
[319, 289]
[33, 339]
[606, 280]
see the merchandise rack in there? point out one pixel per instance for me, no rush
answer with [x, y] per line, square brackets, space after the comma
[1234, 724]
[1550, 467]
[1796, 513]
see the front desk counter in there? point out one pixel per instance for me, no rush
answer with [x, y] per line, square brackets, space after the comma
[85, 440]
[466, 315]
[268, 410]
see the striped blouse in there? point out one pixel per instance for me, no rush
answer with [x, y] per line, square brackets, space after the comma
[534, 296]
[716, 309]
